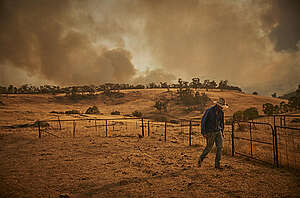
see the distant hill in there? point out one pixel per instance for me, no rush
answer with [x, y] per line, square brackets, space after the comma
[291, 94]
[288, 95]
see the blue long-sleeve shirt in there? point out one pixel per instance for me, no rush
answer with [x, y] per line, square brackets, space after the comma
[211, 122]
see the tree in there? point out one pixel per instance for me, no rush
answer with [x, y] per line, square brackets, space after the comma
[223, 84]
[284, 108]
[268, 109]
[250, 114]
[255, 93]
[196, 83]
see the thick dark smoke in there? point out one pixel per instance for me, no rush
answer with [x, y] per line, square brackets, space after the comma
[44, 38]
[251, 43]
[156, 76]
[287, 33]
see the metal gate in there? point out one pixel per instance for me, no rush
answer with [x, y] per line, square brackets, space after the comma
[255, 140]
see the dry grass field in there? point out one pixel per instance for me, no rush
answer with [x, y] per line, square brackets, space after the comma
[92, 165]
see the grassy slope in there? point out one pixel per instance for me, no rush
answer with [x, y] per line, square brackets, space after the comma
[28, 108]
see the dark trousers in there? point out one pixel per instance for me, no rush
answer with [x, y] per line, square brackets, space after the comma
[211, 138]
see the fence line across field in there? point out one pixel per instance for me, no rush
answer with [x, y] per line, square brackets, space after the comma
[270, 141]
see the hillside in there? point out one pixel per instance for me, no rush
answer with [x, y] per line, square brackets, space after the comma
[24, 108]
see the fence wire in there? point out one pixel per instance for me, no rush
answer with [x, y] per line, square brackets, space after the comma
[288, 147]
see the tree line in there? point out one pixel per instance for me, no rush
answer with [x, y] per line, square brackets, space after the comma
[91, 89]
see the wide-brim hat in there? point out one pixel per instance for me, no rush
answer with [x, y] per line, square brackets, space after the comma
[221, 102]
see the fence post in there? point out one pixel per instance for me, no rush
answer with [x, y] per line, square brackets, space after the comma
[96, 126]
[250, 140]
[40, 135]
[276, 147]
[165, 131]
[232, 138]
[74, 128]
[105, 128]
[143, 132]
[190, 134]
[148, 128]
[59, 123]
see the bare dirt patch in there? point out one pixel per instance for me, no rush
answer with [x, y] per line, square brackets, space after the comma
[129, 167]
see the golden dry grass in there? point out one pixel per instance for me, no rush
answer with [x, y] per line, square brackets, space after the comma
[92, 165]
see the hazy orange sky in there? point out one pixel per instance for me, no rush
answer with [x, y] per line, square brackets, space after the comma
[252, 43]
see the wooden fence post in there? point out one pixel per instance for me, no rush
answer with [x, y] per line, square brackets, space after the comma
[96, 126]
[59, 123]
[143, 132]
[148, 128]
[190, 134]
[74, 128]
[165, 131]
[276, 147]
[40, 135]
[250, 131]
[232, 138]
[105, 128]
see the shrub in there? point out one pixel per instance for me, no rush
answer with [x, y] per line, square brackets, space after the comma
[268, 109]
[115, 113]
[72, 112]
[159, 105]
[92, 110]
[137, 113]
[250, 114]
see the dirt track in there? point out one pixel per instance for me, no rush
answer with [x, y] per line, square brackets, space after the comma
[129, 167]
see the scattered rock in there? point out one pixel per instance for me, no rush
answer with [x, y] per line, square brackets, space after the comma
[92, 110]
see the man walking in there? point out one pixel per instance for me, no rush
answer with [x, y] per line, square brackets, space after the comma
[212, 128]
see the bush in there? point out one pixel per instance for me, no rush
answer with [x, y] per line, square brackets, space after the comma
[92, 110]
[159, 105]
[115, 113]
[268, 109]
[72, 112]
[137, 113]
[250, 114]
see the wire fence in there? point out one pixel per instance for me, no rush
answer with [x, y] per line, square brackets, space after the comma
[288, 146]
[269, 139]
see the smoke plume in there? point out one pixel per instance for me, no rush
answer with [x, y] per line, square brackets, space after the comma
[252, 43]
[44, 39]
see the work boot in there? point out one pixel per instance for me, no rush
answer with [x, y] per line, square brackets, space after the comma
[217, 166]
[200, 162]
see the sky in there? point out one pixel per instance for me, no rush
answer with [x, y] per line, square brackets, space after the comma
[254, 44]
